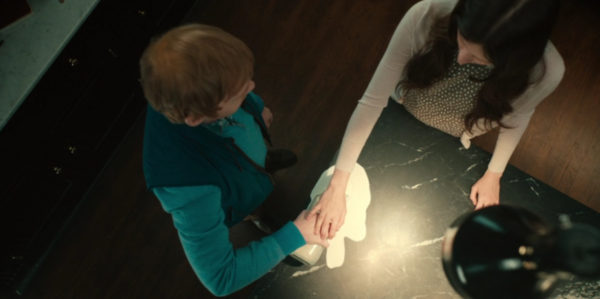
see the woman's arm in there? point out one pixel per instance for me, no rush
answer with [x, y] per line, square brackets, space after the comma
[409, 36]
[486, 191]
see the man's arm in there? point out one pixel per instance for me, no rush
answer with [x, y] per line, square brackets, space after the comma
[199, 220]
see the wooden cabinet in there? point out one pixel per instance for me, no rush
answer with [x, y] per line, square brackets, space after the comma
[62, 135]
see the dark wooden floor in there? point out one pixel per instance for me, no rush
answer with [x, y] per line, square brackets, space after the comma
[314, 60]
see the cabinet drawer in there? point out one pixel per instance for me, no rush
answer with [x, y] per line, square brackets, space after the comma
[89, 53]
[21, 145]
[55, 145]
[26, 209]
[29, 219]
[132, 23]
[88, 123]
[27, 205]
[142, 17]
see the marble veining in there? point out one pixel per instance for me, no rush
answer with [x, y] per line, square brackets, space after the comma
[311, 270]
[417, 159]
[417, 186]
[428, 242]
[532, 180]
[412, 204]
[434, 295]
[471, 167]
[537, 194]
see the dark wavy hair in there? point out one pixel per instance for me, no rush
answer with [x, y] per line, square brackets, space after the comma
[513, 33]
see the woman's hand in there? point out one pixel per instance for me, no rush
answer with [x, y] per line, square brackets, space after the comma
[267, 116]
[486, 191]
[330, 211]
[306, 228]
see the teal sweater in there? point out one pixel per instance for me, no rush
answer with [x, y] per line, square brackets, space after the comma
[201, 218]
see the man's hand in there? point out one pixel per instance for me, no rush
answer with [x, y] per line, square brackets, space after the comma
[306, 228]
[486, 191]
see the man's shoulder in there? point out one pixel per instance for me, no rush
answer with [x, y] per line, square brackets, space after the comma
[433, 8]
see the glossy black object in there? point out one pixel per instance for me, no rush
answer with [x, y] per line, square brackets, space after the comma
[509, 252]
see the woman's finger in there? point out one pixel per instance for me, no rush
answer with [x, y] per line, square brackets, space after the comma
[480, 203]
[319, 223]
[473, 195]
[334, 229]
[315, 210]
[325, 228]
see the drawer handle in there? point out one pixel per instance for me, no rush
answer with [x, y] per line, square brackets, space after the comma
[57, 170]
[72, 150]
[73, 62]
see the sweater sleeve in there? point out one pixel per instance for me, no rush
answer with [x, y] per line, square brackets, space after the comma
[404, 42]
[199, 219]
[524, 106]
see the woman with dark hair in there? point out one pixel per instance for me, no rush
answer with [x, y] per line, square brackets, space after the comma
[463, 67]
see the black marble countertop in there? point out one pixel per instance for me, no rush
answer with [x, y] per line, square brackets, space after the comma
[420, 182]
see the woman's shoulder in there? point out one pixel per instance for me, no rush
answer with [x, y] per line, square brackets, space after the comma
[548, 73]
[546, 77]
[434, 8]
[554, 66]
[423, 14]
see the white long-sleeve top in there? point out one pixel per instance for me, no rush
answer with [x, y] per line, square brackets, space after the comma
[410, 36]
